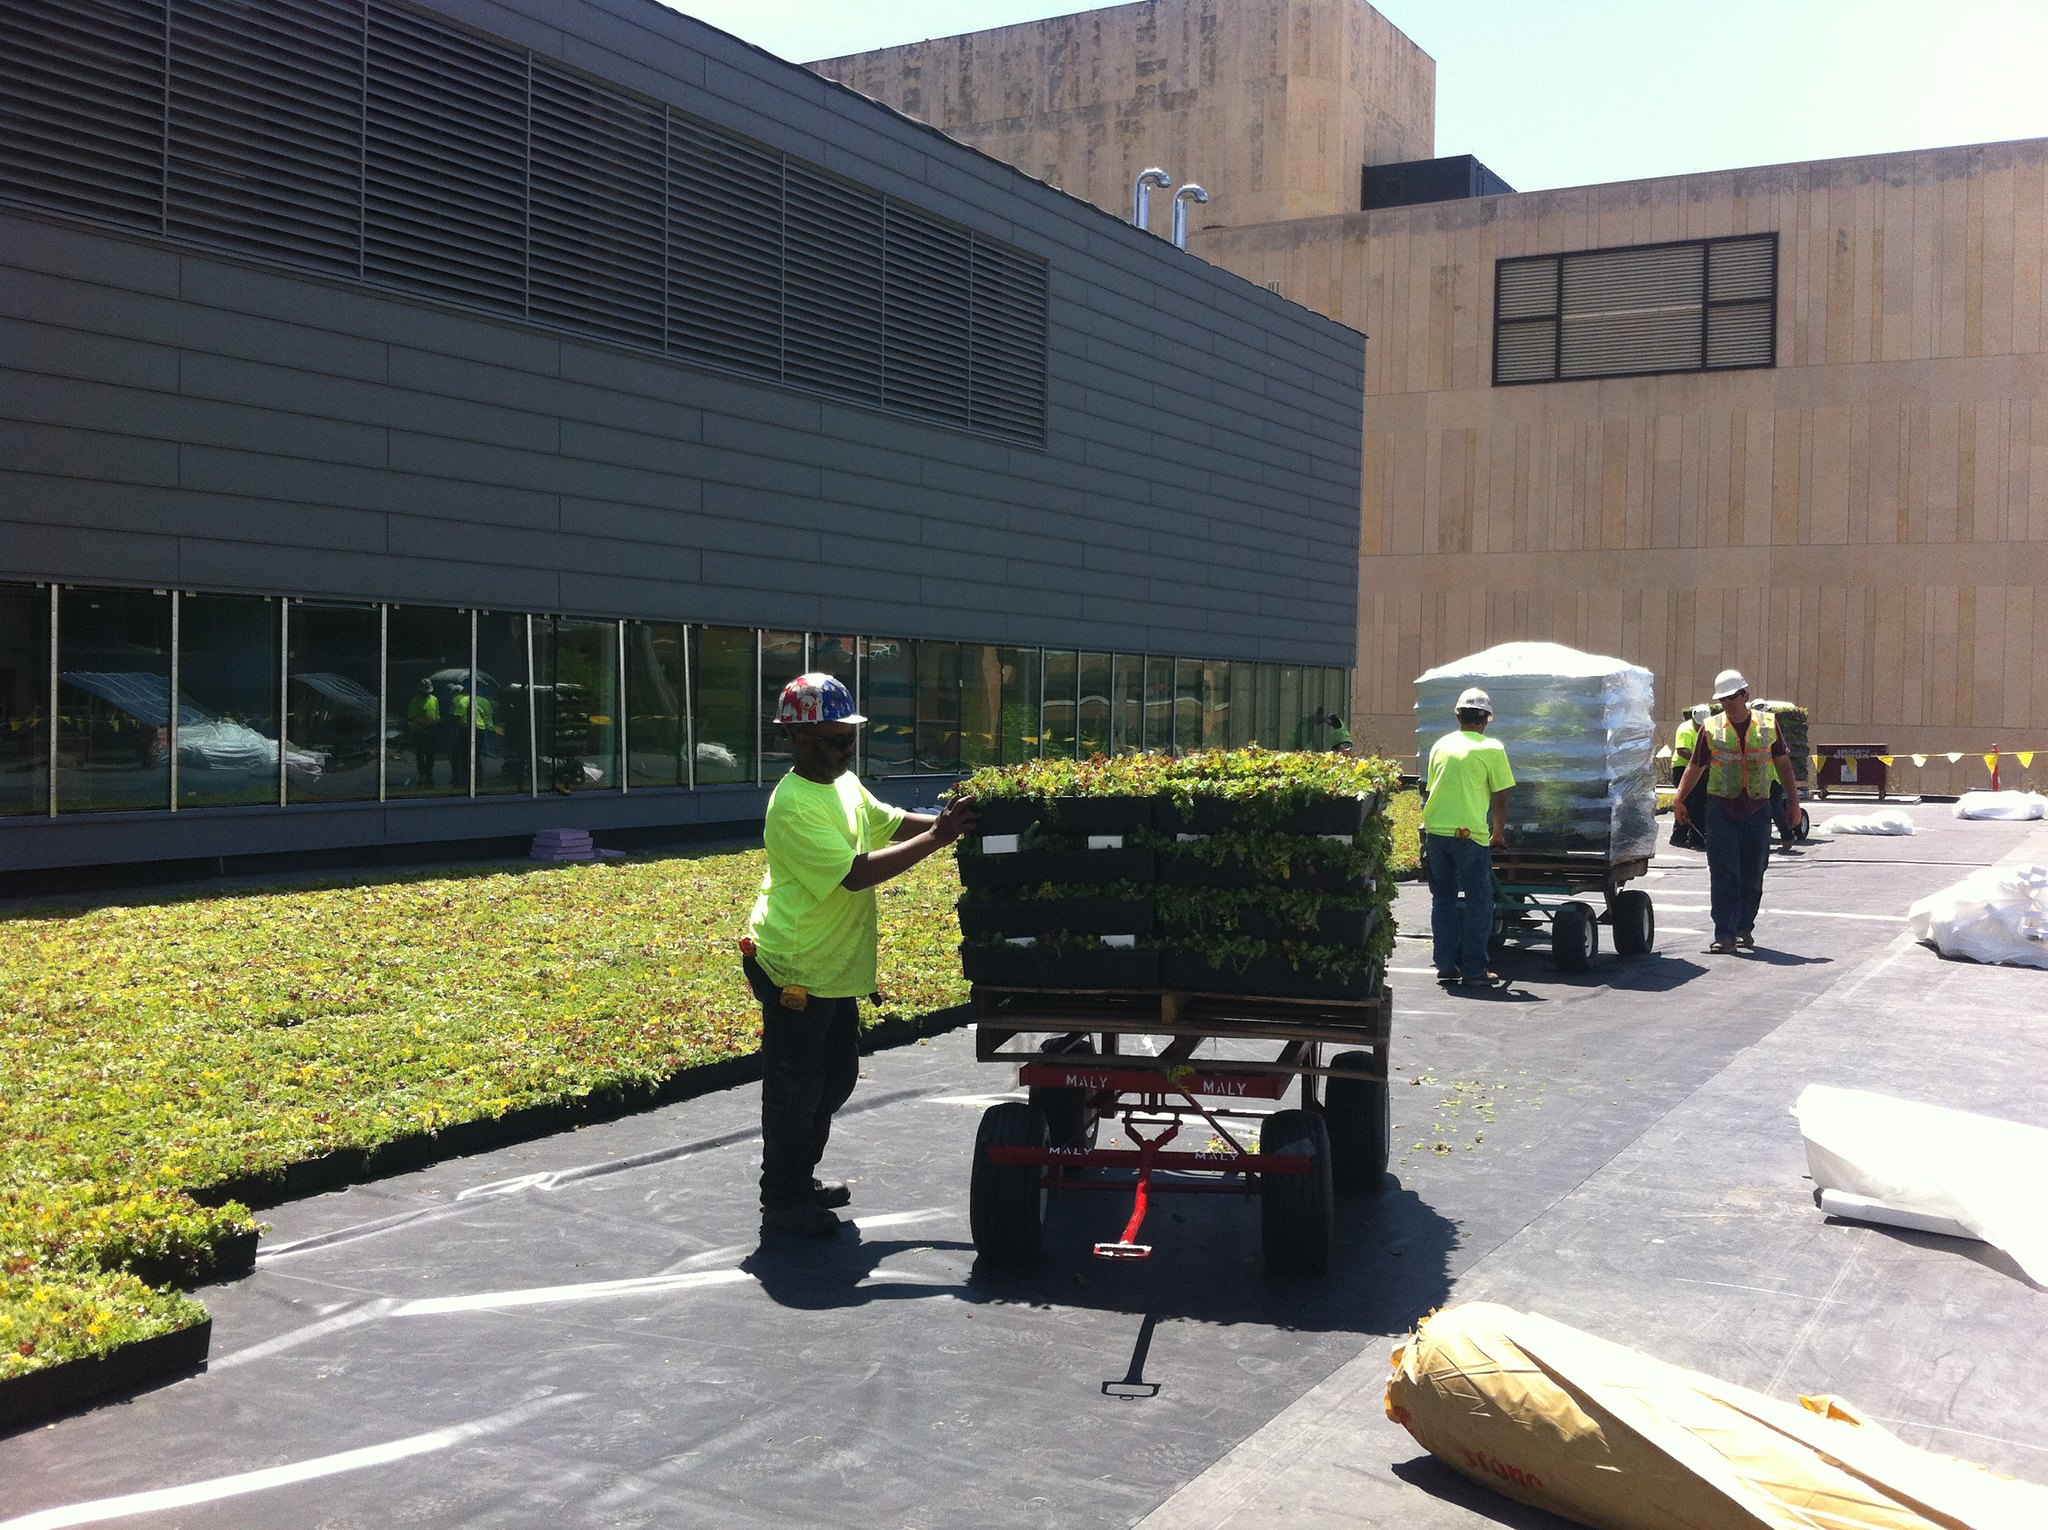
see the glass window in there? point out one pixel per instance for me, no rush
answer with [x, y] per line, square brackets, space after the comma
[1093, 720]
[938, 707]
[334, 717]
[24, 699]
[889, 701]
[1127, 710]
[576, 699]
[427, 673]
[1216, 704]
[722, 696]
[503, 713]
[782, 660]
[227, 700]
[1270, 732]
[981, 704]
[1158, 703]
[113, 700]
[1293, 711]
[1022, 702]
[1244, 704]
[1187, 706]
[1061, 678]
[838, 657]
[657, 723]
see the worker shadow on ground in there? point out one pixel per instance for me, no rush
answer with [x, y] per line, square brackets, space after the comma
[1770, 958]
[1653, 972]
[842, 1271]
[1439, 1481]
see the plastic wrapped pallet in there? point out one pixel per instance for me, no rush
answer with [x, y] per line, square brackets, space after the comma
[1608, 1436]
[1581, 733]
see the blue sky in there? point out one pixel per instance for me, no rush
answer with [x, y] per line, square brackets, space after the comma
[1570, 92]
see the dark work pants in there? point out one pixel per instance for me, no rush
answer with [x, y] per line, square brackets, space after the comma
[1738, 850]
[1460, 928]
[810, 1061]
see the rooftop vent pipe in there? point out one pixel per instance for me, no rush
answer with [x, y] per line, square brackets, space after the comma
[1141, 194]
[1181, 198]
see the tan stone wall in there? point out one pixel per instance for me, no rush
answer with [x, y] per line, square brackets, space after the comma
[1273, 106]
[1863, 528]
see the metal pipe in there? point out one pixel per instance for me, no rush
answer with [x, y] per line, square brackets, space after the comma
[1180, 212]
[1141, 194]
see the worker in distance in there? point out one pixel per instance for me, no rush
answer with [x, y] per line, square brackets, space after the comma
[1464, 815]
[1738, 754]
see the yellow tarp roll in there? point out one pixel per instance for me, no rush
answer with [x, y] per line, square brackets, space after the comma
[1607, 1436]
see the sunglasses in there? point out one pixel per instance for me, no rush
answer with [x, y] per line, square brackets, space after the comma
[840, 741]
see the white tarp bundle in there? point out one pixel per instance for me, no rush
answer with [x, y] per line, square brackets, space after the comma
[1883, 821]
[1581, 735]
[1996, 914]
[1983, 1174]
[2014, 806]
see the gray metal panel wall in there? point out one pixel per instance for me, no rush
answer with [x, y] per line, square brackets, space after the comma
[173, 418]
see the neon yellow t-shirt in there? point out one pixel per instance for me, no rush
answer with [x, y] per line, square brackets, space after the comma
[1465, 770]
[809, 931]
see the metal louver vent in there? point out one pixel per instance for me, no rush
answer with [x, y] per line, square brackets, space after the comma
[1007, 353]
[599, 241]
[444, 193]
[725, 251]
[81, 107]
[1698, 305]
[265, 116]
[832, 300]
[366, 140]
[929, 279]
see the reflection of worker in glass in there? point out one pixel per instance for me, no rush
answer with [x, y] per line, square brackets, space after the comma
[481, 717]
[422, 730]
[1340, 736]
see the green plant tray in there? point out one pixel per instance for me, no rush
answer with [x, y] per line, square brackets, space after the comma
[1183, 870]
[1029, 967]
[1067, 815]
[1268, 977]
[1027, 868]
[1221, 815]
[1043, 916]
[59, 1388]
[1333, 927]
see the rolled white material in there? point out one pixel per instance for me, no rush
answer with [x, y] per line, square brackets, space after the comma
[1861, 1208]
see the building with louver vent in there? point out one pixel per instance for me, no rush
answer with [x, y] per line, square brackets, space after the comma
[435, 420]
[1788, 418]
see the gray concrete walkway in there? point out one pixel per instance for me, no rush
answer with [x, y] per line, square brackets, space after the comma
[582, 1332]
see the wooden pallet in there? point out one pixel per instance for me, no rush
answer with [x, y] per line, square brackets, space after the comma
[1571, 869]
[1004, 1014]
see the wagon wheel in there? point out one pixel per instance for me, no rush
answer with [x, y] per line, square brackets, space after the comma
[1067, 1121]
[1805, 826]
[1006, 1201]
[1296, 1213]
[1634, 919]
[1574, 938]
[1355, 1114]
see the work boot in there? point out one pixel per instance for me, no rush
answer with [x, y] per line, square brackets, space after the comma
[800, 1219]
[830, 1192]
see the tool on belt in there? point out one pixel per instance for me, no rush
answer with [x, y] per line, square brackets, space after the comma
[793, 996]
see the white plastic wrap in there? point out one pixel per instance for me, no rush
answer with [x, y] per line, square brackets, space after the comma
[1581, 735]
[2012, 806]
[1883, 821]
[1981, 1173]
[1998, 914]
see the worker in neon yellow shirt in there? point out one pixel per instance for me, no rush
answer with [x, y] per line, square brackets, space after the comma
[1465, 813]
[809, 952]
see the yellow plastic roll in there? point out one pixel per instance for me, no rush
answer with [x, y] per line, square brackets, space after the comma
[1612, 1438]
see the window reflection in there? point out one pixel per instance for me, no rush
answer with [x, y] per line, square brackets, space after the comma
[1062, 680]
[1092, 713]
[889, 702]
[1216, 704]
[1158, 703]
[227, 700]
[1023, 696]
[24, 699]
[1244, 706]
[113, 700]
[333, 714]
[981, 705]
[657, 725]
[782, 660]
[722, 703]
[938, 706]
[576, 702]
[1187, 705]
[428, 672]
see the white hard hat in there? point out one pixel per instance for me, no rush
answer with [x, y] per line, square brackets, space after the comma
[1702, 712]
[1727, 683]
[1475, 700]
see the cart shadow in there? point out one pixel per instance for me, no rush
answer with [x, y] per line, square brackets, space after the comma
[1440, 1482]
[1390, 1264]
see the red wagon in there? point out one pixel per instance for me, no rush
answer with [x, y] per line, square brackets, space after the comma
[1156, 1064]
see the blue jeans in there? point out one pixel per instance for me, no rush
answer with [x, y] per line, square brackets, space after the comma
[1738, 849]
[1460, 926]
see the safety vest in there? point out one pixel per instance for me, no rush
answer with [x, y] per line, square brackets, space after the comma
[1736, 769]
[485, 715]
[422, 713]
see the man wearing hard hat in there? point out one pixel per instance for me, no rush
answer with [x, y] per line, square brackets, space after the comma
[1465, 812]
[809, 951]
[1737, 755]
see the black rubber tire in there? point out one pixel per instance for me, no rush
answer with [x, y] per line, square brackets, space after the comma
[1065, 1108]
[1805, 826]
[1633, 919]
[1355, 1114]
[1297, 1212]
[1005, 1201]
[1574, 938]
[1497, 937]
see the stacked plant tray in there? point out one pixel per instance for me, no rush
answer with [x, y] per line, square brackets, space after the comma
[1246, 872]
